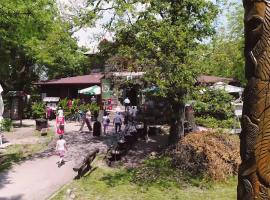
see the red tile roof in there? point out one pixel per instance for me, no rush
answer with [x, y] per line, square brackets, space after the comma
[86, 79]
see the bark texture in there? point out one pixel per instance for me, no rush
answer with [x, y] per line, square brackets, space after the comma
[254, 171]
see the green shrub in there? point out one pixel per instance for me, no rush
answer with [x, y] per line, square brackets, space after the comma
[94, 108]
[213, 104]
[6, 124]
[38, 110]
[63, 103]
[211, 122]
[75, 106]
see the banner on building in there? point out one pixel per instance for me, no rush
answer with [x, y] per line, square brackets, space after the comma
[106, 89]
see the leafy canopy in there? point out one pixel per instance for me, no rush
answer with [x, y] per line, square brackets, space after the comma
[35, 39]
[223, 55]
[160, 39]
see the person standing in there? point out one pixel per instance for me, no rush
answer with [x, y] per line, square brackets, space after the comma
[48, 112]
[93, 99]
[61, 148]
[60, 122]
[126, 118]
[133, 113]
[126, 103]
[87, 120]
[117, 121]
[105, 122]
[69, 103]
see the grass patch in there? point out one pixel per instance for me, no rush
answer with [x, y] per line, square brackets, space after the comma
[47, 138]
[18, 152]
[154, 180]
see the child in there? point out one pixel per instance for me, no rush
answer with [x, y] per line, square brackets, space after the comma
[61, 147]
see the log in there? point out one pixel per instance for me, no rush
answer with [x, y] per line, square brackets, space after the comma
[85, 165]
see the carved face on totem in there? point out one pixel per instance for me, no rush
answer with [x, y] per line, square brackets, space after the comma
[257, 34]
[254, 19]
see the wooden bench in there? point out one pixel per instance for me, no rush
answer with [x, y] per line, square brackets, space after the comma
[85, 165]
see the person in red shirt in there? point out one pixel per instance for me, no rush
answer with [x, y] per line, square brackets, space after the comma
[60, 122]
[69, 103]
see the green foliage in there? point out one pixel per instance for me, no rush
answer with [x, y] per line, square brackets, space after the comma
[113, 184]
[38, 110]
[223, 55]
[6, 124]
[213, 103]
[211, 122]
[165, 51]
[158, 171]
[93, 107]
[63, 103]
[213, 109]
[35, 40]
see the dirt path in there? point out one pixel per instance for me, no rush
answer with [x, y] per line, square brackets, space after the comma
[39, 177]
[34, 179]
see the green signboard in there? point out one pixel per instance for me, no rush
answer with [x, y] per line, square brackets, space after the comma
[106, 86]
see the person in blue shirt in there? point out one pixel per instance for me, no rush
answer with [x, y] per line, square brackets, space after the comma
[117, 121]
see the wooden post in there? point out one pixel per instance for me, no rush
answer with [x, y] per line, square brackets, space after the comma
[254, 171]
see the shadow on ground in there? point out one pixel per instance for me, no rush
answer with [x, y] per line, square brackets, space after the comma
[17, 197]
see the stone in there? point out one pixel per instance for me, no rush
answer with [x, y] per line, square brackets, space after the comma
[68, 192]
[72, 196]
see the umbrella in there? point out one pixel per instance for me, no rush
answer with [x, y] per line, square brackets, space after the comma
[94, 90]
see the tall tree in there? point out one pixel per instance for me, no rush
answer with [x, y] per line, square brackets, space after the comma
[33, 39]
[161, 38]
[223, 54]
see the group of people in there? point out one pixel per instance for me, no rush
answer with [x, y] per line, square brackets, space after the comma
[61, 146]
[118, 120]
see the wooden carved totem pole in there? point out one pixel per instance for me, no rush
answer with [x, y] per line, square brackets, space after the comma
[254, 171]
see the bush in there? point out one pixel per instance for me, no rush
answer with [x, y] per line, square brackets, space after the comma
[38, 110]
[63, 103]
[211, 122]
[94, 108]
[6, 124]
[214, 104]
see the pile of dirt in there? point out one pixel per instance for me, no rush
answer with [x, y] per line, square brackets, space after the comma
[208, 154]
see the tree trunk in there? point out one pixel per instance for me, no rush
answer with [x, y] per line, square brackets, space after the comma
[177, 124]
